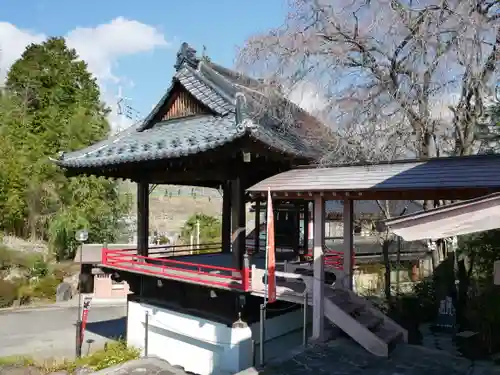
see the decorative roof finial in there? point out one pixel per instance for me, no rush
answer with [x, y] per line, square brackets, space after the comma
[186, 54]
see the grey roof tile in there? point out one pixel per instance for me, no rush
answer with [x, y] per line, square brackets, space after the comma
[481, 171]
[203, 92]
[165, 140]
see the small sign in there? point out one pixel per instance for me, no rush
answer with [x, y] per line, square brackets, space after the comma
[447, 314]
[85, 315]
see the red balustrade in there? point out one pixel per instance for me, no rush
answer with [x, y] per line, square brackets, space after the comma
[206, 274]
[333, 258]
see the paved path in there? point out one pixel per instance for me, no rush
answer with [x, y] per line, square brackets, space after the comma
[49, 332]
[343, 357]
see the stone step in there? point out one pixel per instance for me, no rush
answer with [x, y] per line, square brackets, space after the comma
[389, 336]
[367, 319]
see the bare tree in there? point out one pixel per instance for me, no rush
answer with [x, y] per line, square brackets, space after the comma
[410, 70]
[397, 78]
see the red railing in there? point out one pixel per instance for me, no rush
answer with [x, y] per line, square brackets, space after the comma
[333, 258]
[205, 274]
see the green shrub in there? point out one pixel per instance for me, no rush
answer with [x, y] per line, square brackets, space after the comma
[8, 293]
[483, 315]
[113, 354]
[46, 288]
[425, 292]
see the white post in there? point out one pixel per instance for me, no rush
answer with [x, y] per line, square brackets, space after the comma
[319, 270]
[348, 242]
[198, 234]
[191, 240]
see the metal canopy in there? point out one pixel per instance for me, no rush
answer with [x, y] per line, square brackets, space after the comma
[465, 217]
[453, 173]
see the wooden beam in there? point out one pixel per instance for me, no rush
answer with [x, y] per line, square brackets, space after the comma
[319, 270]
[411, 194]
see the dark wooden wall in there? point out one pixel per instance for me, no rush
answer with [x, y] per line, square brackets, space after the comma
[183, 104]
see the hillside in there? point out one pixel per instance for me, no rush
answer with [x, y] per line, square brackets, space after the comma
[170, 206]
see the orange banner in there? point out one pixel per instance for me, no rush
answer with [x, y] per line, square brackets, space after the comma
[271, 258]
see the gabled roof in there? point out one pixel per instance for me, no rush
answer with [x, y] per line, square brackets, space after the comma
[234, 110]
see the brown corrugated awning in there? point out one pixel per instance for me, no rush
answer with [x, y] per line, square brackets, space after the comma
[460, 218]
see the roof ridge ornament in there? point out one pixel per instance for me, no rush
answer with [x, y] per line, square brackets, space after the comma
[186, 54]
[242, 121]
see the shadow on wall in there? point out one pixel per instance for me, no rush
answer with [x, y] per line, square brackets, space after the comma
[111, 329]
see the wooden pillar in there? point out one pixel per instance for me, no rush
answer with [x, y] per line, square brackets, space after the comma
[226, 217]
[142, 218]
[238, 222]
[348, 218]
[306, 227]
[257, 225]
[297, 207]
[319, 270]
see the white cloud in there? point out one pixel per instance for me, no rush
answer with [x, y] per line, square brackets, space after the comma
[101, 47]
[13, 41]
[308, 96]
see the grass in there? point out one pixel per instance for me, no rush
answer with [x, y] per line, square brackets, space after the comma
[113, 354]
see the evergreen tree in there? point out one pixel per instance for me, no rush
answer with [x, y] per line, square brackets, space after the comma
[52, 104]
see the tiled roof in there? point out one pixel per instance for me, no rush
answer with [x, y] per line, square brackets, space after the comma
[167, 139]
[174, 138]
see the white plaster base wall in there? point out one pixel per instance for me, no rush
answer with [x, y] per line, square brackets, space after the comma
[199, 345]
[279, 325]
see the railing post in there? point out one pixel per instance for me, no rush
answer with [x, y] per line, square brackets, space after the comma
[104, 255]
[146, 334]
[245, 275]
[262, 334]
[304, 327]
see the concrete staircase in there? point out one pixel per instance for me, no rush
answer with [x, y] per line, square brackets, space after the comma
[352, 314]
[361, 321]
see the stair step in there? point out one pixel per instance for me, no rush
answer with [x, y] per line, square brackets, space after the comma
[367, 319]
[348, 306]
[388, 335]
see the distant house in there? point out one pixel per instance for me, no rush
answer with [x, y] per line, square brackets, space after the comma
[93, 279]
[413, 257]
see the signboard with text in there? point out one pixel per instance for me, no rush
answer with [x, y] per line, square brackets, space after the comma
[85, 314]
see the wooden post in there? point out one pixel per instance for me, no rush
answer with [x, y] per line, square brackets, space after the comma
[306, 227]
[257, 226]
[348, 243]
[142, 218]
[238, 222]
[319, 270]
[226, 217]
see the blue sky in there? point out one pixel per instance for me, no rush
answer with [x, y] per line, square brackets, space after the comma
[133, 43]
